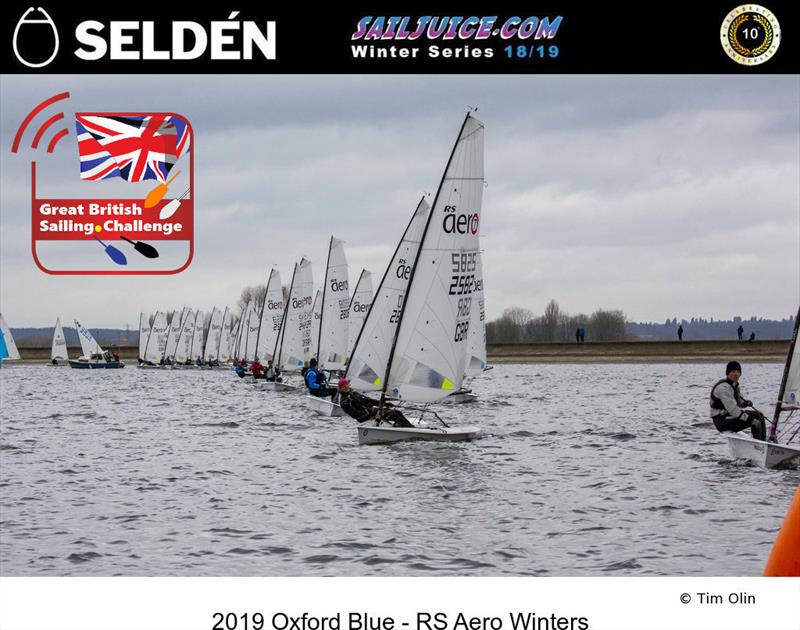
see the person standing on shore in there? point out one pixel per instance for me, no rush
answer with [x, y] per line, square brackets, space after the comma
[680, 332]
[577, 335]
[582, 333]
[740, 332]
[727, 406]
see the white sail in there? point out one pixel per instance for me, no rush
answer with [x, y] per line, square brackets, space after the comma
[251, 341]
[316, 317]
[271, 317]
[428, 361]
[294, 347]
[59, 347]
[224, 353]
[366, 369]
[234, 340]
[211, 350]
[156, 345]
[184, 345]
[476, 338]
[8, 348]
[88, 344]
[790, 394]
[335, 310]
[172, 335]
[144, 333]
[196, 351]
[359, 307]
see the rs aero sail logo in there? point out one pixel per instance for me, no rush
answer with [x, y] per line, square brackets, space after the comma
[33, 34]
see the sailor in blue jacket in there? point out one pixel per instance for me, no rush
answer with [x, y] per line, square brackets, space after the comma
[316, 382]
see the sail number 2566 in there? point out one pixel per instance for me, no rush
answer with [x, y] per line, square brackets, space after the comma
[463, 273]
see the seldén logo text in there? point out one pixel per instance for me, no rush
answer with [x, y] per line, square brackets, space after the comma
[96, 39]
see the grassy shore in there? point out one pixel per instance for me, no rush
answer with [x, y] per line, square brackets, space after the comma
[589, 352]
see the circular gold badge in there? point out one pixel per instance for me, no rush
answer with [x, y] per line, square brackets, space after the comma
[750, 34]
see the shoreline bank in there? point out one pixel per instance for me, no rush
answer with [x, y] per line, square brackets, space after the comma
[559, 352]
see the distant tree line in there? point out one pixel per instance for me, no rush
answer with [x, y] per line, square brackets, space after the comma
[520, 325]
[701, 328]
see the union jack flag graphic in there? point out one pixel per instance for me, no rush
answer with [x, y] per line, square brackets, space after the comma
[134, 148]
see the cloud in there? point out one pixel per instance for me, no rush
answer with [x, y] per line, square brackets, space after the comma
[663, 196]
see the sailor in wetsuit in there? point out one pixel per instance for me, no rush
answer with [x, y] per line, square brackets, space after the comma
[728, 405]
[363, 408]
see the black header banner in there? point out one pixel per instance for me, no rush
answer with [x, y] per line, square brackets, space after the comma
[397, 38]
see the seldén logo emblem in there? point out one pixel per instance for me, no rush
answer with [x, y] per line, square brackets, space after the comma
[750, 34]
[34, 34]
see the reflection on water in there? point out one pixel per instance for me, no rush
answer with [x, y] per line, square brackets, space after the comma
[583, 470]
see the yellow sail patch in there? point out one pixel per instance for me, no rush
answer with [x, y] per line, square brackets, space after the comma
[447, 384]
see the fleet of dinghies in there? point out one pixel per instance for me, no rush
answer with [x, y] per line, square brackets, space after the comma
[416, 341]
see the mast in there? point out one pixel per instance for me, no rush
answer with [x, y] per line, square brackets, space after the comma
[385, 383]
[322, 304]
[210, 328]
[779, 405]
[279, 341]
[380, 287]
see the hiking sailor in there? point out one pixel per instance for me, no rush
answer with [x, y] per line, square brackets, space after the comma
[728, 406]
[362, 408]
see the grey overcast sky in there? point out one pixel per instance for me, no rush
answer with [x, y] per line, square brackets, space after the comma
[659, 195]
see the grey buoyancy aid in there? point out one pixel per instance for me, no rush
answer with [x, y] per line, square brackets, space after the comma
[716, 402]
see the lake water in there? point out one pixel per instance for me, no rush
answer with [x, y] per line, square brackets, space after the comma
[582, 470]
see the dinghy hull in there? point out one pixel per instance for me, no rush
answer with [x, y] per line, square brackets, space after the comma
[96, 365]
[763, 454]
[386, 434]
[272, 386]
[324, 407]
[460, 398]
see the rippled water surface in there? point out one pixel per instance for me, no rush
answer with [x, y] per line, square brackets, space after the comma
[583, 470]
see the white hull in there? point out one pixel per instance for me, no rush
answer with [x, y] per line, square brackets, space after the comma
[370, 434]
[143, 366]
[460, 398]
[324, 406]
[763, 454]
[272, 386]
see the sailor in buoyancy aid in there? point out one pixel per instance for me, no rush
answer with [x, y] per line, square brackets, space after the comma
[316, 382]
[728, 405]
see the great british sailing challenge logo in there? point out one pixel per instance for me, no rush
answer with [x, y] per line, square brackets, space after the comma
[750, 34]
[133, 226]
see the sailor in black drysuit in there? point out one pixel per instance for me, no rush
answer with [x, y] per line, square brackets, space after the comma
[728, 405]
[363, 408]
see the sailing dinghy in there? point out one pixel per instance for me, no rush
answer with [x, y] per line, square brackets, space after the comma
[782, 448]
[8, 348]
[94, 357]
[428, 353]
[156, 344]
[58, 350]
[293, 343]
[332, 333]
[272, 312]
